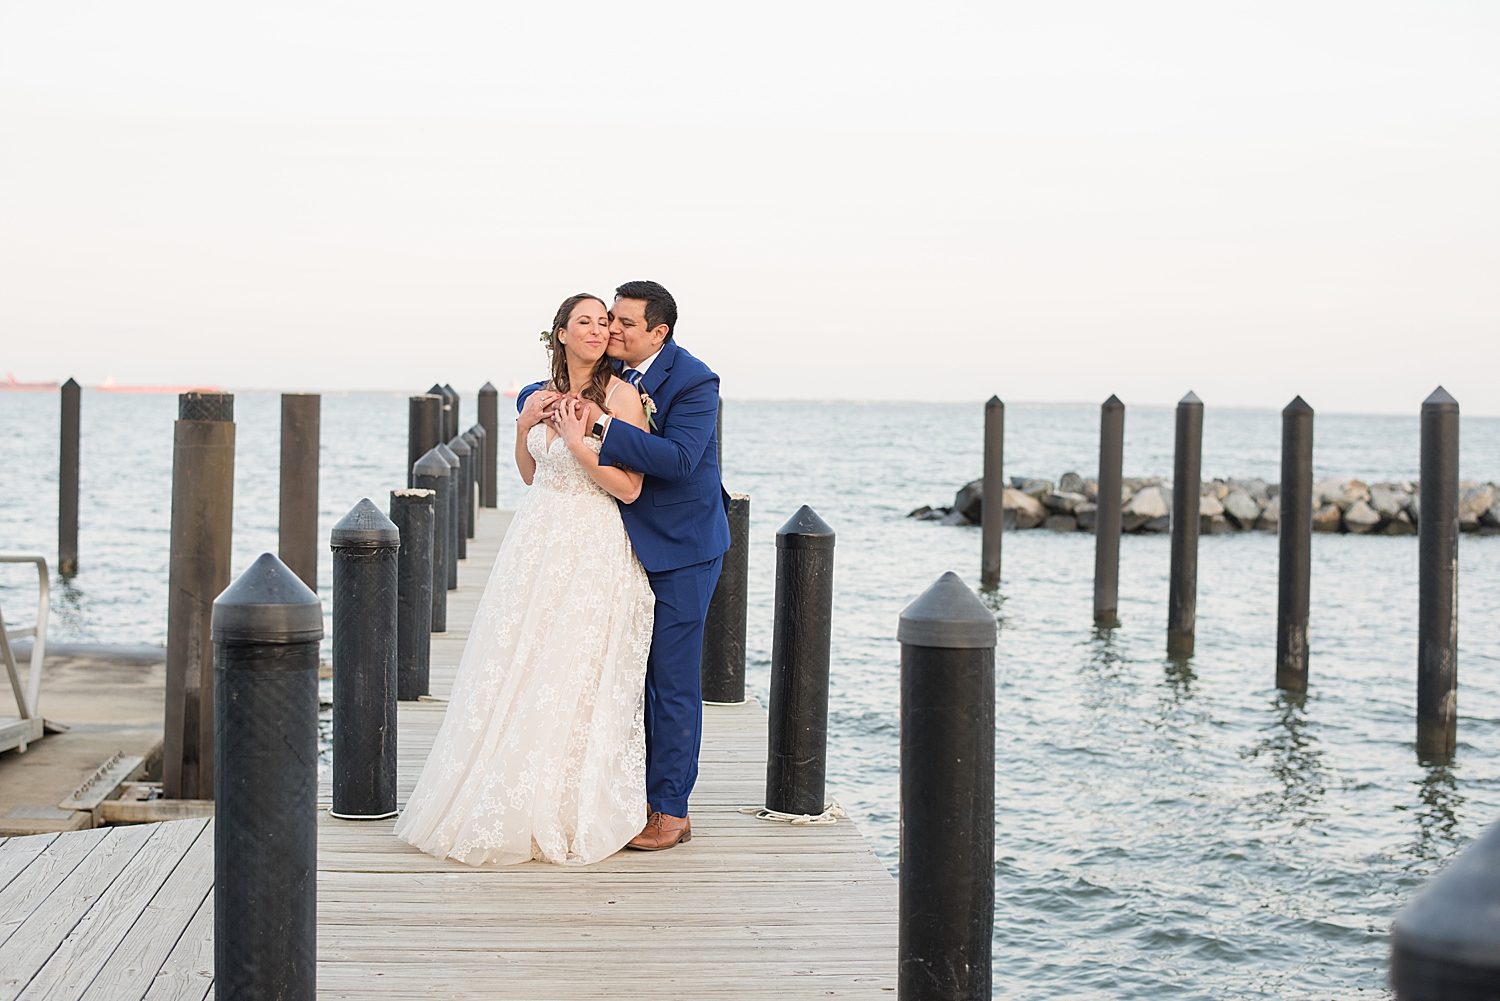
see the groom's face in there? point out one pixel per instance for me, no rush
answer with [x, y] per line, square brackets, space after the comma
[629, 338]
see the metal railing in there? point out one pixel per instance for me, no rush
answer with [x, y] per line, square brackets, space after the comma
[29, 695]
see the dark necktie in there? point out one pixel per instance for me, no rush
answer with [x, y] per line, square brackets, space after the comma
[633, 377]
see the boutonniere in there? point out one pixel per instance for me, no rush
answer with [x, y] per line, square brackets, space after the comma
[650, 405]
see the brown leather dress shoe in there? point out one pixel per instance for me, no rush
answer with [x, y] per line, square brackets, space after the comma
[662, 831]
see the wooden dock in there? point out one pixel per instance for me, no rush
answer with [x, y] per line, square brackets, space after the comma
[747, 909]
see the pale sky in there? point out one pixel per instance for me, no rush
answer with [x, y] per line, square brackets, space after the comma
[873, 200]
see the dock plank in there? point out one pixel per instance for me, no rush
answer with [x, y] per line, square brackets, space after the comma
[133, 966]
[16, 854]
[188, 972]
[40, 935]
[34, 884]
[91, 943]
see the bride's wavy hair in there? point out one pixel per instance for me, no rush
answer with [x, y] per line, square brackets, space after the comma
[604, 368]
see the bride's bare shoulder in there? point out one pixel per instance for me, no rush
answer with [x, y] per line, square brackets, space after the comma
[625, 403]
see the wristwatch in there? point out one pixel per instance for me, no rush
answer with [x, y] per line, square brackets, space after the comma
[598, 429]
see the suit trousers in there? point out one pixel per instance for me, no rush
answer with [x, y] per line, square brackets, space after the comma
[674, 691]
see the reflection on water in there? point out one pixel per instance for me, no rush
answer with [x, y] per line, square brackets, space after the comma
[1436, 812]
[67, 612]
[1293, 758]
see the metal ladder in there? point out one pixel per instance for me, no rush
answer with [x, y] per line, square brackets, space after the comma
[17, 731]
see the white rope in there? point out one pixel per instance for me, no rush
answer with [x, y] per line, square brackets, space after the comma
[830, 815]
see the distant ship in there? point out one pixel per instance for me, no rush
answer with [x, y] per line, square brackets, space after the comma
[10, 385]
[109, 386]
[513, 390]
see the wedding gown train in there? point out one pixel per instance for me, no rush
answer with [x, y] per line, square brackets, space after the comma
[542, 751]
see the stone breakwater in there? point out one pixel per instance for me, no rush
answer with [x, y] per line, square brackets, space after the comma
[1231, 505]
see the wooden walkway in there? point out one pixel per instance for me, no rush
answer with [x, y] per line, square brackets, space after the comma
[747, 909]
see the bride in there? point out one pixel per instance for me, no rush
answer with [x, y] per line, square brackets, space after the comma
[542, 752]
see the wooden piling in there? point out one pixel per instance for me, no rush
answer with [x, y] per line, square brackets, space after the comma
[1437, 581]
[992, 507]
[1107, 518]
[297, 545]
[1187, 475]
[1294, 579]
[67, 481]
[202, 526]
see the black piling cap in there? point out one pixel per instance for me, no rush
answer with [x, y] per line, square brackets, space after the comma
[459, 447]
[69, 383]
[471, 439]
[450, 392]
[1298, 403]
[364, 527]
[267, 604]
[1440, 400]
[993, 401]
[948, 616]
[1455, 919]
[478, 432]
[1190, 400]
[448, 455]
[196, 406]
[804, 530]
[488, 389]
[1113, 403]
[431, 464]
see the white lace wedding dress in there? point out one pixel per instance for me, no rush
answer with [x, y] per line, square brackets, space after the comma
[542, 752]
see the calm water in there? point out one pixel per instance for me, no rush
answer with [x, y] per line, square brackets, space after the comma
[1162, 831]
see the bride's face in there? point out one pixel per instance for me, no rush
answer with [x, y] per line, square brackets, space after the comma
[587, 333]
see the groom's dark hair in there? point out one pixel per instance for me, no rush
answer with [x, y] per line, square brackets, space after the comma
[660, 306]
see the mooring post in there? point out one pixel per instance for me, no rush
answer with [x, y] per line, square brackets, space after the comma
[465, 484]
[438, 390]
[992, 506]
[1294, 581]
[946, 889]
[1444, 943]
[801, 636]
[67, 481]
[424, 427]
[298, 543]
[266, 629]
[453, 409]
[471, 512]
[455, 540]
[1437, 584]
[1187, 470]
[722, 667]
[489, 419]
[432, 473]
[480, 482]
[202, 523]
[412, 514]
[366, 553]
[1107, 519]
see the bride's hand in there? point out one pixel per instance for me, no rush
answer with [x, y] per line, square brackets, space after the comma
[572, 421]
[538, 408]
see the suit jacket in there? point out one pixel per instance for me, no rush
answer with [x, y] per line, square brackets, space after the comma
[681, 517]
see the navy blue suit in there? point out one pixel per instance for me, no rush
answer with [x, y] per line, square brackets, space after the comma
[679, 527]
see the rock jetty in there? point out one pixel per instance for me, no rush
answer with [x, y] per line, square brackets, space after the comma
[1349, 506]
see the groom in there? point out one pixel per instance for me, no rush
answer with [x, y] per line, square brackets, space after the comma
[679, 527]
